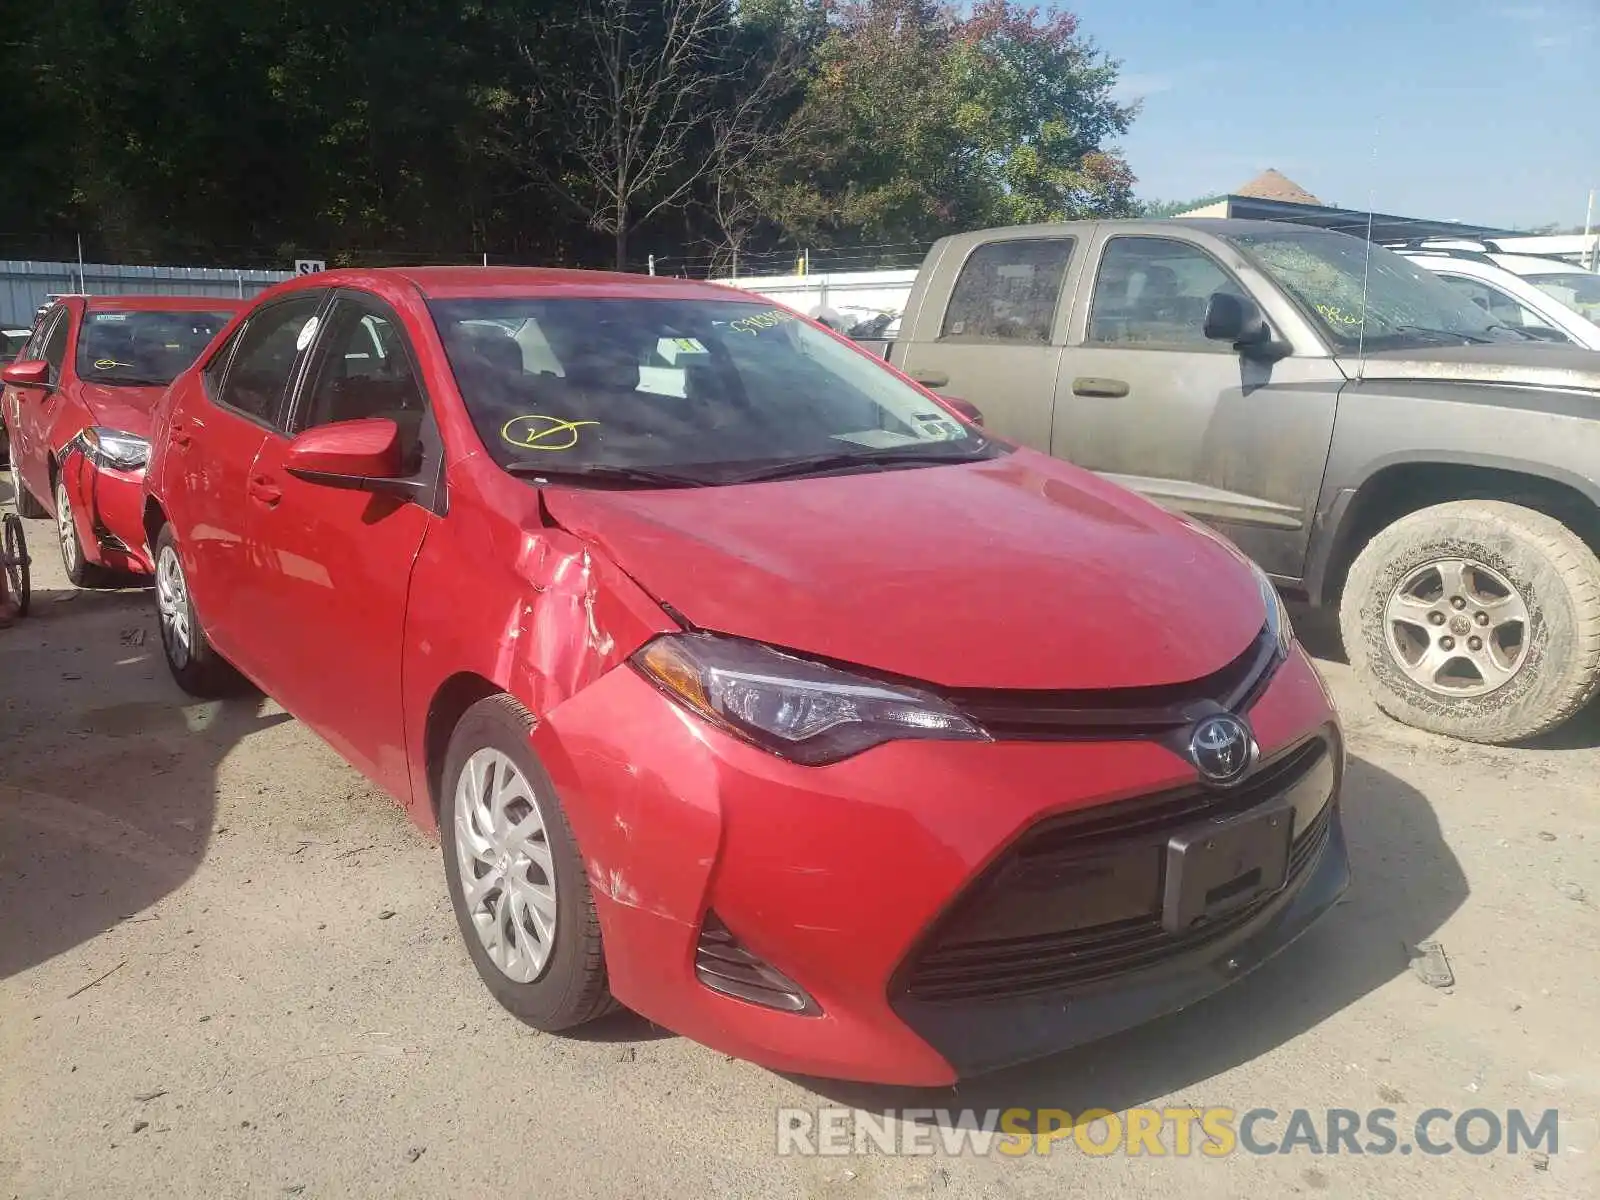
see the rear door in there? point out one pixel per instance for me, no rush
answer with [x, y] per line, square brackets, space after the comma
[989, 328]
[332, 567]
[215, 433]
[1146, 399]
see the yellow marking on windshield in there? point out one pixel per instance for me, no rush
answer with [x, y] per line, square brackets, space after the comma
[770, 319]
[536, 431]
[1335, 315]
[109, 364]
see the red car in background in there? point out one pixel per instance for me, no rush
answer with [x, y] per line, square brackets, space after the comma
[747, 683]
[76, 408]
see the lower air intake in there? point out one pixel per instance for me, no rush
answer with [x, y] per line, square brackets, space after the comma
[725, 966]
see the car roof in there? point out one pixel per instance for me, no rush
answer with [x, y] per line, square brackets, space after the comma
[459, 283]
[1217, 226]
[165, 303]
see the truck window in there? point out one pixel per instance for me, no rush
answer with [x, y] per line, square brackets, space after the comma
[1152, 291]
[1007, 291]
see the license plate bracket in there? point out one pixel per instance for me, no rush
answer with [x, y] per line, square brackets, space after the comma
[1215, 868]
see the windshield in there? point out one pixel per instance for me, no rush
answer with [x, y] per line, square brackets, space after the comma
[143, 347]
[699, 390]
[1578, 290]
[1333, 279]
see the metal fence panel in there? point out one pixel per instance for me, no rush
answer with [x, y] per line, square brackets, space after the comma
[24, 286]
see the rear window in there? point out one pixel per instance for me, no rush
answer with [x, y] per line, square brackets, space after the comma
[143, 347]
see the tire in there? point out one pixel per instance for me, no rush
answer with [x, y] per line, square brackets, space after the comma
[1555, 667]
[27, 506]
[196, 666]
[80, 571]
[568, 986]
[16, 564]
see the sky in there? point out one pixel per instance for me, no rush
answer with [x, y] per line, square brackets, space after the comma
[1464, 110]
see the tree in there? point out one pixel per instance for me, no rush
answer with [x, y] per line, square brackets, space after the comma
[919, 121]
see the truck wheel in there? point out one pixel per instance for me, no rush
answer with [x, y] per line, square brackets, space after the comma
[1476, 619]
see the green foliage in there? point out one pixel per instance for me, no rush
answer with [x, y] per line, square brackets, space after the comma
[250, 131]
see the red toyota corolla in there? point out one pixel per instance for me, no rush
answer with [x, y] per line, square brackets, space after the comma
[746, 682]
[77, 407]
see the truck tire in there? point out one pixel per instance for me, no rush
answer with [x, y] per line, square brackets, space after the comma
[1476, 619]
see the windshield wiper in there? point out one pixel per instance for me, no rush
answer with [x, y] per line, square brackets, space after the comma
[602, 474]
[822, 463]
[1453, 334]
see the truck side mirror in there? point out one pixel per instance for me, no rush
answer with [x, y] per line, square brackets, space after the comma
[1236, 319]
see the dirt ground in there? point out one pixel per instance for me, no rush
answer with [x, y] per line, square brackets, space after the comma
[228, 968]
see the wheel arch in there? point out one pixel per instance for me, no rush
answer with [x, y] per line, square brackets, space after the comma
[1397, 485]
[449, 704]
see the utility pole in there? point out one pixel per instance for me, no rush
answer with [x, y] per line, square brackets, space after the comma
[1590, 247]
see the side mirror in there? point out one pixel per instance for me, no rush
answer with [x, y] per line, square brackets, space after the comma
[966, 408]
[362, 456]
[1236, 319]
[33, 373]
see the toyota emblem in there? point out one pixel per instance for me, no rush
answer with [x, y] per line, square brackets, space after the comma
[1222, 749]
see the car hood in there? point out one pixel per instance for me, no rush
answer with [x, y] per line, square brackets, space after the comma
[1530, 364]
[1018, 572]
[124, 408]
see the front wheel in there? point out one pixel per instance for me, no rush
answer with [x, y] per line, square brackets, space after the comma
[80, 571]
[27, 506]
[195, 664]
[1477, 619]
[516, 880]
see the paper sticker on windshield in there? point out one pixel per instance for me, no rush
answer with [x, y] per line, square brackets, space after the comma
[307, 332]
[761, 322]
[674, 348]
[935, 426]
[539, 432]
[108, 316]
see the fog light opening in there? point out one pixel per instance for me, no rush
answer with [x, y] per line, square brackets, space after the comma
[725, 966]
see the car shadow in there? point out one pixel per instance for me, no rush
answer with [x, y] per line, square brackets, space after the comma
[107, 795]
[1318, 631]
[1407, 883]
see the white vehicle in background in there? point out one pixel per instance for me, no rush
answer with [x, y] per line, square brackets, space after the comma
[1549, 298]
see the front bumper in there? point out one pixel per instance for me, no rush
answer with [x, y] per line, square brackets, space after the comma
[108, 510]
[838, 876]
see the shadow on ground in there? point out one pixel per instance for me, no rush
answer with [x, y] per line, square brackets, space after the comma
[1407, 883]
[107, 797]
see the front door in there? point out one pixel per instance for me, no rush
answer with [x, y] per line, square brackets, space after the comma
[216, 431]
[37, 407]
[333, 565]
[1146, 399]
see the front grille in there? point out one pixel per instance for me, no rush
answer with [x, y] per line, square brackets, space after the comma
[1078, 900]
[1024, 715]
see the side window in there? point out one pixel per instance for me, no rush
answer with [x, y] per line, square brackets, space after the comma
[54, 349]
[1007, 291]
[268, 348]
[212, 373]
[33, 349]
[1153, 291]
[365, 369]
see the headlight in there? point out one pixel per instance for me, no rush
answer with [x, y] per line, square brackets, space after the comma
[1277, 613]
[114, 448]
[797, 709]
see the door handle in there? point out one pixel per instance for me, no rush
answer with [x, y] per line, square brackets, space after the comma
[1086, 386]
[263, 490]
[931, 379]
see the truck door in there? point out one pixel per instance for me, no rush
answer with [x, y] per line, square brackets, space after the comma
[1146, 399]
[989, 326]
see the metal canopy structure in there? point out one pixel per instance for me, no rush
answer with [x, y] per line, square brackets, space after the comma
[1384, 227]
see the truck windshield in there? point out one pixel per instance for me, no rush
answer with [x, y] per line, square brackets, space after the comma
[1384, 302]
[687, 390]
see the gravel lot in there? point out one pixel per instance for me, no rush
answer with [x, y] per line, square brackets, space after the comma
[228, 968]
